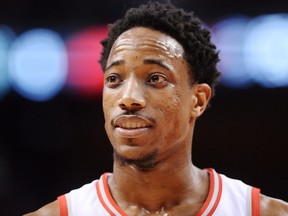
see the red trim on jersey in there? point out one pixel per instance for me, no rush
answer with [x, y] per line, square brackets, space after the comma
[255, 196]
[207, 203]
[101, 198]
[210, 194]
[63, 205]
[109, 196]
[111, 201]
[218, 195]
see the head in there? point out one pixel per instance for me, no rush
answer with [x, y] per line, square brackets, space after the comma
[160, 73]
[199, 52]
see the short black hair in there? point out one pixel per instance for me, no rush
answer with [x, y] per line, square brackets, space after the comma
[185, 27]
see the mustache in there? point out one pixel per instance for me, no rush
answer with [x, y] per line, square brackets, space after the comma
[133, 113]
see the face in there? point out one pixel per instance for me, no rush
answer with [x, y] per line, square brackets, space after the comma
[147, 97]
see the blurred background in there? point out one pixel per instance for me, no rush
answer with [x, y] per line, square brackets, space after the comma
[52, 138]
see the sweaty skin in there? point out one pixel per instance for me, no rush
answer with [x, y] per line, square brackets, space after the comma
[150, 109]
[148, 78]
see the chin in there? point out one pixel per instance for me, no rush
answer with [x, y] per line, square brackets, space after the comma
[136, 158]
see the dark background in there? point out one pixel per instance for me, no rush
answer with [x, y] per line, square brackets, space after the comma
[49, 148]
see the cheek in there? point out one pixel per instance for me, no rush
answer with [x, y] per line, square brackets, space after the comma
[168, 104]
[105, 105]
[167, 109]
[174, 114]
[108, 102]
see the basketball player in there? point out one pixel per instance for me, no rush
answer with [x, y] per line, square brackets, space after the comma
[160, 73]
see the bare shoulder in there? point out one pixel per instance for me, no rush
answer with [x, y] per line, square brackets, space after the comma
[271, 206]
[51, 209]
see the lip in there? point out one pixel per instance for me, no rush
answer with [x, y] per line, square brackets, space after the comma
[131, 133]
[131, 126]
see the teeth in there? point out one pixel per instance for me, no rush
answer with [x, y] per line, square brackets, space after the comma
[132, 125]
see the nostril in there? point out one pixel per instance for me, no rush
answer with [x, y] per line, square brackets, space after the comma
[131, 103]
[131, 106]
[135, 104]
[122, 105]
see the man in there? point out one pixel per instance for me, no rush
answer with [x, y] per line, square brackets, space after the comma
[160, 72]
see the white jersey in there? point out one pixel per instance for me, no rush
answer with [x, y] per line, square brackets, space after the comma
[226, 197]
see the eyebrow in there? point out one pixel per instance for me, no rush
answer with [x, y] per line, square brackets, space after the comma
[157, 62]
[145, 61]
[115, 63]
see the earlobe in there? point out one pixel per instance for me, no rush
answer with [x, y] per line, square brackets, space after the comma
[201, 94]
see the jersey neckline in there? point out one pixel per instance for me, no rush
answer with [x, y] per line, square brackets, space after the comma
[207, 209]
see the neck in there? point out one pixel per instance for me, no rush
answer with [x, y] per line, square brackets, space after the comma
[162, 187]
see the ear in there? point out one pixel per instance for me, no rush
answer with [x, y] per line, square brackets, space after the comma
[201, 94]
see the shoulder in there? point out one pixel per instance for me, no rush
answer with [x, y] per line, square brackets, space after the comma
[78, 196]
[270, 206]
[51, 209]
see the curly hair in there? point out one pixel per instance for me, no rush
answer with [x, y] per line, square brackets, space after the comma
[199, 51]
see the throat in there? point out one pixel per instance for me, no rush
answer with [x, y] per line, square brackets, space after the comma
[156, 193]
[161, 212]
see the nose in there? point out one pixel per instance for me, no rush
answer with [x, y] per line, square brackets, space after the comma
[132, 96]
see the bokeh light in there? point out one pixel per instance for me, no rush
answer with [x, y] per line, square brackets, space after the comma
[84, 49]
[6, 38]
[38, 64]
[252, 51]
[229, 35]
[266, 50]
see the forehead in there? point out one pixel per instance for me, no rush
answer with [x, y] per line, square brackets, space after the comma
[145, 39]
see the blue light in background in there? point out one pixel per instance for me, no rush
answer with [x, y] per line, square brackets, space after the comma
[35, 64]
[38, 64]
[266, 50]
[229, 35]
[6, 38]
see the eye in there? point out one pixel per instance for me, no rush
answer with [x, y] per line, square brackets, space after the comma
[113, 80]
[158, 80]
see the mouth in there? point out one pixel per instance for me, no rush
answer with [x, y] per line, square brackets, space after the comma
[131, 125]
[132, 122]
